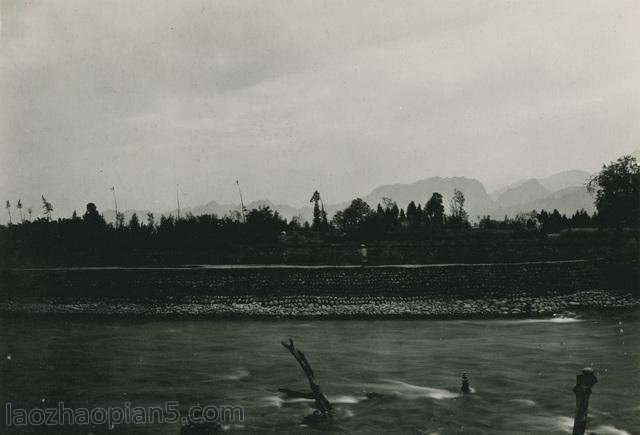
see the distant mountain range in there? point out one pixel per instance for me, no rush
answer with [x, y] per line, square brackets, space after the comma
[553, 183]
[564, 191]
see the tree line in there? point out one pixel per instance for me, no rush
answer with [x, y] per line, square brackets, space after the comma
[616, 189]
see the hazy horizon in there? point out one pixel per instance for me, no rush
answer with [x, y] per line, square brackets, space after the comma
[289, 97]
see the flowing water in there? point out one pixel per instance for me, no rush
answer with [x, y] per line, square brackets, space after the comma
[522, 371]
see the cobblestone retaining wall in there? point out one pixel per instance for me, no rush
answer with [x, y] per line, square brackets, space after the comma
[436, 280]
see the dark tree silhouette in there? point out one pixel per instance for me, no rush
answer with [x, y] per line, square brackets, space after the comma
[93, 221]
[552, 222]
[263, 224]
[319, 215]
[349, 219]
[19, 206]
[151, 221]
[580, 219]
[413, 217]
[617, 190]
[434, 210]
[134, 223]
[47, 208]
[119, 219]
[459, 216]
[8, 206]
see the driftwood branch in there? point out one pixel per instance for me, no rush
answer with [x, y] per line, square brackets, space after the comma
[322, 403]
[293, 394]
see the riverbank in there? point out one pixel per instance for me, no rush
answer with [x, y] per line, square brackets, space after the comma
[333, 307]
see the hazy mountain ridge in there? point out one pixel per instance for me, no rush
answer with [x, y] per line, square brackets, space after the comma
[566, 201]
[496, 193]
[553, 183]
[524, 193]
[565, 179]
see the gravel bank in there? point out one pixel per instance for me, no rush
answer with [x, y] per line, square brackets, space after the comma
[320, 306]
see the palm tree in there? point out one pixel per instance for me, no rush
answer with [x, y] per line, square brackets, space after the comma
[20, 210]
[8, 206]
[47, 208]
[29, 210]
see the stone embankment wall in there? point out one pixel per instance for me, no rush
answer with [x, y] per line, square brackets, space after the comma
[434, 280]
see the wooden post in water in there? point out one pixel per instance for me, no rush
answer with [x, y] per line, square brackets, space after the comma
[465, 384]
[584, 381]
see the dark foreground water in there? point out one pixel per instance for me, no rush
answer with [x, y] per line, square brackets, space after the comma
[522, 371]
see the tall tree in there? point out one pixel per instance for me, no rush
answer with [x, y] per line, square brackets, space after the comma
[264, 224]
[412, 214]
[47, 208]
[19, 205]
[119, 219]
[8, 206]
[395, 213]
[151, 220]
[319, 215]
[580, 219]
[617, 190]
[92, 219]
[353, 216]
[389, 215]
[134, 223]
[456, 206]
[434, 210]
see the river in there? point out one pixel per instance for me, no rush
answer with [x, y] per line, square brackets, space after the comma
[522, 371]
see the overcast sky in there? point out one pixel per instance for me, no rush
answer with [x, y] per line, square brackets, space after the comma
[292, 96]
